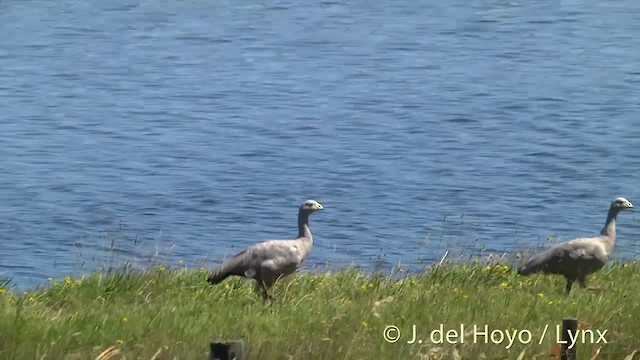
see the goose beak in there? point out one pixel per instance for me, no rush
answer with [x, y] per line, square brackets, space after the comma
[319, 206]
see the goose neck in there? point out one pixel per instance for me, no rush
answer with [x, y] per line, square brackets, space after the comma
[303, 225]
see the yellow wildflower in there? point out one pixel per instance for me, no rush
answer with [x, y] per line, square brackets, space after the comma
[370, 285]
[160, 268]
[67, 280]
[540, 295]
[165, 347]
[503, 269]
[625, 265]
[125, 319]
[227, 286]
[504, 284]
[119, 342]
[363, 287]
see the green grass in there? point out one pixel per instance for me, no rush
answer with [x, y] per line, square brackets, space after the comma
[174, 314]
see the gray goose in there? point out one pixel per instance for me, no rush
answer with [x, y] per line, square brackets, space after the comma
[269, 260]
[576, 259]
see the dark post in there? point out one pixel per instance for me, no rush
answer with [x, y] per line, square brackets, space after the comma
[568, 325]
[229, 350]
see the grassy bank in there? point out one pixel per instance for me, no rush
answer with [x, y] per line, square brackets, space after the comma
[167, 314]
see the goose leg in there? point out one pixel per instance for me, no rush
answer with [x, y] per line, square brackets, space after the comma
[265, 294]
[583, 281]
[267, 298]
[261, 287]
[567, 288]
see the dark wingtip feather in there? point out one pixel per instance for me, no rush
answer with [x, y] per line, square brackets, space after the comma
[216, 277]
[535, 264]
[524, 271]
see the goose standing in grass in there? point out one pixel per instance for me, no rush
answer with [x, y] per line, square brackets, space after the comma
[269, 260]
[576, 259]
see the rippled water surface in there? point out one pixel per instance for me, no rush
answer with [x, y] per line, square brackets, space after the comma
[182, 131]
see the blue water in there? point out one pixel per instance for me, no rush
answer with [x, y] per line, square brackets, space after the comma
[184, 131]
